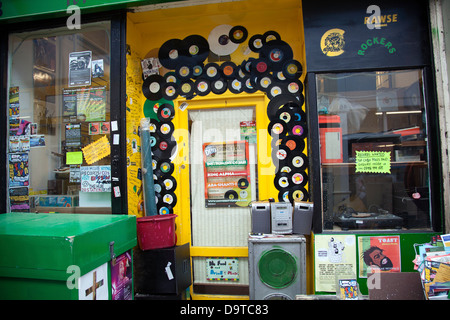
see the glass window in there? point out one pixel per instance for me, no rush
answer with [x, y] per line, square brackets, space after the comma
[59, 113]
[373, 150]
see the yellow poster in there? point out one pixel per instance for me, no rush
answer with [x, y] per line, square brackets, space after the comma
[97, 150]
[373, 161]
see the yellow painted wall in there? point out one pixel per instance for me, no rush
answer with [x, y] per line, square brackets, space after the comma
[147, 31]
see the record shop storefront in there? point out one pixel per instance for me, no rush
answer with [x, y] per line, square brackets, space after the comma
[246, 101]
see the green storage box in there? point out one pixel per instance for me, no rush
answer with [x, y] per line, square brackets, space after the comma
[61, 256]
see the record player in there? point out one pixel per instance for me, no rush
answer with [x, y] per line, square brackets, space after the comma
[348, 218]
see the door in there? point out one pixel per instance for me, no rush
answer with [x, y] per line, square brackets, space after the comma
[224, 152]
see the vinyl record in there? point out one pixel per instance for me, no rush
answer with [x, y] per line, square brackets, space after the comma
[298, 178]
[279, 76]
[238, 34]
[164, 148]
[158, 199]
[256, 42]
[281, 153]
[170, 91]
[197, 70]
[294, 143]
[279, 101]
[152, 87]
[166, 129]
[276, 52]
[248, 86]
[166, 112]
[275, 89]
[271, 35]
[294, 87]
[169, 184]
[220, 42]
[300, 130]
[235, 86]
[243, 183]
[183, 72]
[277, 128]
[292, 69]
[171, 77]
[228, 69]
[246, 66]
[169, 198]
[202, 86]
[282, 181]
[298, 161]
[231, 195]
[165, 209]
[298, 194]
[157, 186]
[197, 47]
[263, 83]
[172, 53]
[286, 114]
[186, 89]
[212, 71]
[299, 116]
[153, 126]
[283, 196]
[166, 167]
[219, 86]
[239, 73]
[259, 67]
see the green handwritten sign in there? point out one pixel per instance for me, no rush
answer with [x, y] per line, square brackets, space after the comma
[373, 161]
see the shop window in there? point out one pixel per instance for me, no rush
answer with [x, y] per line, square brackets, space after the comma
[59, 119]
[373, 150]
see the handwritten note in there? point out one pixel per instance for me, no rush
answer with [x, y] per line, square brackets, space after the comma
[373, 161]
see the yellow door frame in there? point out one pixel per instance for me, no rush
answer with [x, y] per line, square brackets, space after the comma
[265, 172]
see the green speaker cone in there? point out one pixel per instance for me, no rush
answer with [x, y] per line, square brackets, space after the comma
[277, 268]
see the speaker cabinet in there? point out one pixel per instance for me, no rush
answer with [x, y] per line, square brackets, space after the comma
[277, 267]
[302, 217]
[260, 215]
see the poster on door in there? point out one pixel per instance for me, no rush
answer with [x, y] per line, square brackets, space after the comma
[227, 174]
[379, 254]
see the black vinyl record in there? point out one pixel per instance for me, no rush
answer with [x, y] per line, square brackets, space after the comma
[186, 89]
[280, 154]
[231, 195]
[212, 71]
[165, 209]
[292, 69]
[219, 86]
[271, 35]
[263, 83]
[249, 87]
[246, 66]
[297, 161]
[299, 116]
[171, 77]
[239, 73]
[170, 91]
[283, 196]
[166, 167]
[298, 178]
[282, 181]
[286, 114]
[172, 53]
[158, 199]
[202, 86]
[197, 47]
[276, 52]
[299, 129]
[152, 87]
[166, 129]
[183, 72]
[165, 147]
[238, 34]
[298, 194]
[169, 184]
[294, 143]
[256, 42]
[197, 70]
[275, 89]
[169, 198]
[277, 128]
[228, 69]
[166, 112]
[235, 86]
[259, 67]
[294, 86]
[153, 126]
[279, 101]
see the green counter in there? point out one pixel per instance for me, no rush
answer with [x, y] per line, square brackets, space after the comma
[61, 256]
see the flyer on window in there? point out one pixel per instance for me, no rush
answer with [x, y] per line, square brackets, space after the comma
[18, 169]
[80, 68]
[227, 174]
[379, 254]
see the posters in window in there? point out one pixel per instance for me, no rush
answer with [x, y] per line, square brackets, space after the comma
[80, 68]
[18, 170]
[227, 174]
[379, 254]
[95, 178]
